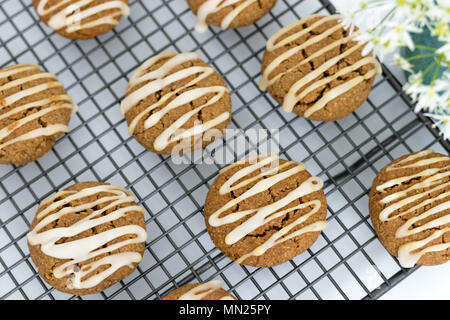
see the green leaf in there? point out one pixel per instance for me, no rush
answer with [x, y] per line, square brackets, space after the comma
[424, 42]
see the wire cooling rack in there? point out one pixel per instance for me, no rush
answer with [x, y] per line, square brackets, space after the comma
[346, 262]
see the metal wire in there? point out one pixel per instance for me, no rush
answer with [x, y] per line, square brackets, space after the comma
[347, 261]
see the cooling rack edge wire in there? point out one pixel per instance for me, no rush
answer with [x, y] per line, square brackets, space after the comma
[347, 261]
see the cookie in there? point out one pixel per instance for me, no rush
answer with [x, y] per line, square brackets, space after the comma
[81, 19]
[263, 211]
[176, 103]
[34, 111]
[201, 291]
[87, 237]
[315, 68]
[410, 208]
[229, 13]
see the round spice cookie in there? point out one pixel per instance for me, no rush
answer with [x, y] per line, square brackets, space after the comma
[410, 208]
[176, 103]
[201, 291]
[87, 237]
[81, 19]
[228, 13]
[263, 211]
[34, 111]
[315, 68]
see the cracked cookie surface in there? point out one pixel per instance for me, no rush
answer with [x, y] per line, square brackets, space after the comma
[176, 103]
[34, 111]
[314, 69]
[410, 208]
[264, 211]
[87, 237]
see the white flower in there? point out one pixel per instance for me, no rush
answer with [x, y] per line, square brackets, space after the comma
[443, 84]
[429, 99]
[347, 22]
[443, 122]
[388, 25]
[414, 85]
[367, 37]
[414, 10]
[403, 63]
[445, 50]
[441, 29]
[440, 11]
[399, 35]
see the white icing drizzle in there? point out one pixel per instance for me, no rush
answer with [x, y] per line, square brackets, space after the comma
[202, 290]
[160, 78]
[81, 250]
[8, 101]
[263, 215]
[409, 253]
[212, 6]
[294, 96]
[71, 16]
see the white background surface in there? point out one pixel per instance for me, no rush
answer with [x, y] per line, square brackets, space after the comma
[425, 283]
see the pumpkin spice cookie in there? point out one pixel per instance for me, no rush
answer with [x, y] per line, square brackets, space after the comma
[228, 13]
[315, 68]
[87, 237]
[201, 291]
[176, 103]
[264, 211]
[410, 208]
[81, 19]
[34, 111]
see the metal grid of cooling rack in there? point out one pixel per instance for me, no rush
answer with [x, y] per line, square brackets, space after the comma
[346, 262]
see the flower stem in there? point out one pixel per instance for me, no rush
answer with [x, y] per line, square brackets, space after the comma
[420, 56]
[386, 17]
[436, 70]
[418, 46]
[425, 72]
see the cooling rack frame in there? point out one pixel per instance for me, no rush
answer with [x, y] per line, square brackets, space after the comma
[346, 154]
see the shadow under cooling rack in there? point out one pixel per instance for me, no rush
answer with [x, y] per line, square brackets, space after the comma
[346, 262]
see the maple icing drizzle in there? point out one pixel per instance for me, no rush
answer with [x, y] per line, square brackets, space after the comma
[70, 18]
[411, 252]
[160, 78]
[15, 98]
[81, 250]
[202, 290]
[212, 6]
[263, 215]
[294, 94]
